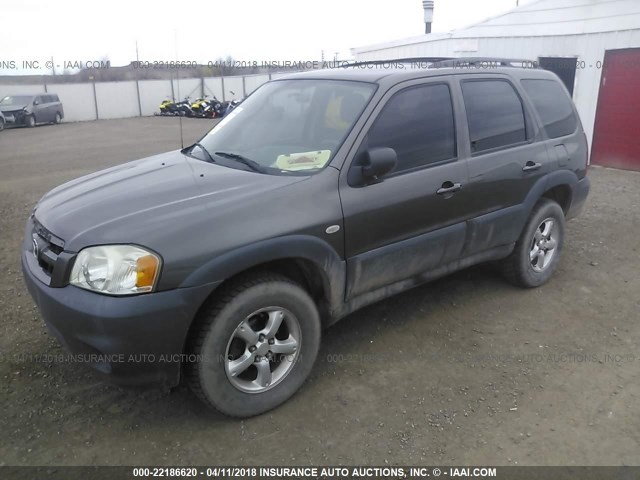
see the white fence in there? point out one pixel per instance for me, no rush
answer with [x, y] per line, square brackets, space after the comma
[102, 100]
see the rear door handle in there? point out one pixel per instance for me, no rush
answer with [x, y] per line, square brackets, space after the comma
[530, 166]
[449, 187]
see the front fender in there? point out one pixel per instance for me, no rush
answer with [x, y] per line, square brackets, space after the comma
[329, 264]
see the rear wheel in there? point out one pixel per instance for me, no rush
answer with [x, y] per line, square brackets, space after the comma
[58, 118]
[255, 345]
[537, 251]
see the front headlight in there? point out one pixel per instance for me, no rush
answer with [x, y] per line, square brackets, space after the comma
[115, 269]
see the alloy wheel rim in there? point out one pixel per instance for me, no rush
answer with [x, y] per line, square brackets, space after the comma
[263, 349]
[544, 245]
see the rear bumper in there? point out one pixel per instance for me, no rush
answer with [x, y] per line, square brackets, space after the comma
[579, 197]
[132, 340]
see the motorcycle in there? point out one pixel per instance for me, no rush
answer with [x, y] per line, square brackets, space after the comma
[204, 108]
[230, 105]
[170, 108]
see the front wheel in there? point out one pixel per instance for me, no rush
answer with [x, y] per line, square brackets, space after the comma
[31, 121]
[537, 251]
[1, 124]
[255, 346]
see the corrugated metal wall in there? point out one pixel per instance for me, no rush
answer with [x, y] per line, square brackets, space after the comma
[120, 99]
[588, 48]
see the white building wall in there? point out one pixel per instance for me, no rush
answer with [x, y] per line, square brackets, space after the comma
[233, 84]
[20, 89]
[187, 87]
[152, 93]
[254, 81]
[116, 99]
[213, 87]
[589, 48]
[77, 101]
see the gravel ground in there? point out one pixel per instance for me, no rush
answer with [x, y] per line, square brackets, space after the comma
[466, 370]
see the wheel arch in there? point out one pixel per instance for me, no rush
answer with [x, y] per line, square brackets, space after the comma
[305, 259]
[557, 186]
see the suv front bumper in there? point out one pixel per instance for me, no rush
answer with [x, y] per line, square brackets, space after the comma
[133, 340]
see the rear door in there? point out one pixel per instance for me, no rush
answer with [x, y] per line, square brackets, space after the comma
[504, 160]
[413, 220]
[51, 107]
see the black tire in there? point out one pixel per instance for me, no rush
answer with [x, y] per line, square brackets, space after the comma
[30, 121]
[213, 336]
[1, 124]
[57, 119]
[518, 268]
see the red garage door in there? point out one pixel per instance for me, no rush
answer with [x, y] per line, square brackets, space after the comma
[616, 138]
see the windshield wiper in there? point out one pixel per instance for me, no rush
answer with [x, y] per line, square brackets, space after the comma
[206, 152]
[252, 164]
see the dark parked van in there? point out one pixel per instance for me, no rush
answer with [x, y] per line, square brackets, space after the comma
[321, 193]
[31, 110]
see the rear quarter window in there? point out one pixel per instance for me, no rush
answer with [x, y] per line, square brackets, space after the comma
[553, 106]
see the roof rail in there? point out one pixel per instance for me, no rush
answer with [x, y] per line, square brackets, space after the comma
[486, 62]
[401, 60]
[454, 62]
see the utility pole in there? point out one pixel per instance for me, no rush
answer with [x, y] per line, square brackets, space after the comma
[136, 69]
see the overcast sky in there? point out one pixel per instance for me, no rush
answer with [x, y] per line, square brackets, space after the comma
[259, 30]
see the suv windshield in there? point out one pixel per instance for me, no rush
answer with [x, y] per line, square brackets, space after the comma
[16, 100]
[290, 125]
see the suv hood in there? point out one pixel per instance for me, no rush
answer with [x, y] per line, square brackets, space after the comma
[11, 108]
[140, 201]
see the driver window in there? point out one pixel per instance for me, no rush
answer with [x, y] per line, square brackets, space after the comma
[418, 124]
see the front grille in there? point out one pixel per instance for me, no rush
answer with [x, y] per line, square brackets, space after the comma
[46, 247]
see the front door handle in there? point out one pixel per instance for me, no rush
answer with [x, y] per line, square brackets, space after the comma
[530, 166]
[449, 187]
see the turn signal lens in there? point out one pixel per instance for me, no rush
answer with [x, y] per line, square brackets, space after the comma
[147, 270]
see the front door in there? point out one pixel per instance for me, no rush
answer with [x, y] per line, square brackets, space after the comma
[413, 220]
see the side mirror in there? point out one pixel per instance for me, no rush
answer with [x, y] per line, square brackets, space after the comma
[36, 102]
[378, 162]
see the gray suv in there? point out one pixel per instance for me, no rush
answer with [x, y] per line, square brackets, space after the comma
[220, 264]
[30, 110]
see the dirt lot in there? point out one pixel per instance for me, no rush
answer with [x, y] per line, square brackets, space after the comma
[467, 370]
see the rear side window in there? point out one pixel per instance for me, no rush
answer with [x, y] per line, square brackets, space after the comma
[495, 114]
[553, 106]
[418, 124]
